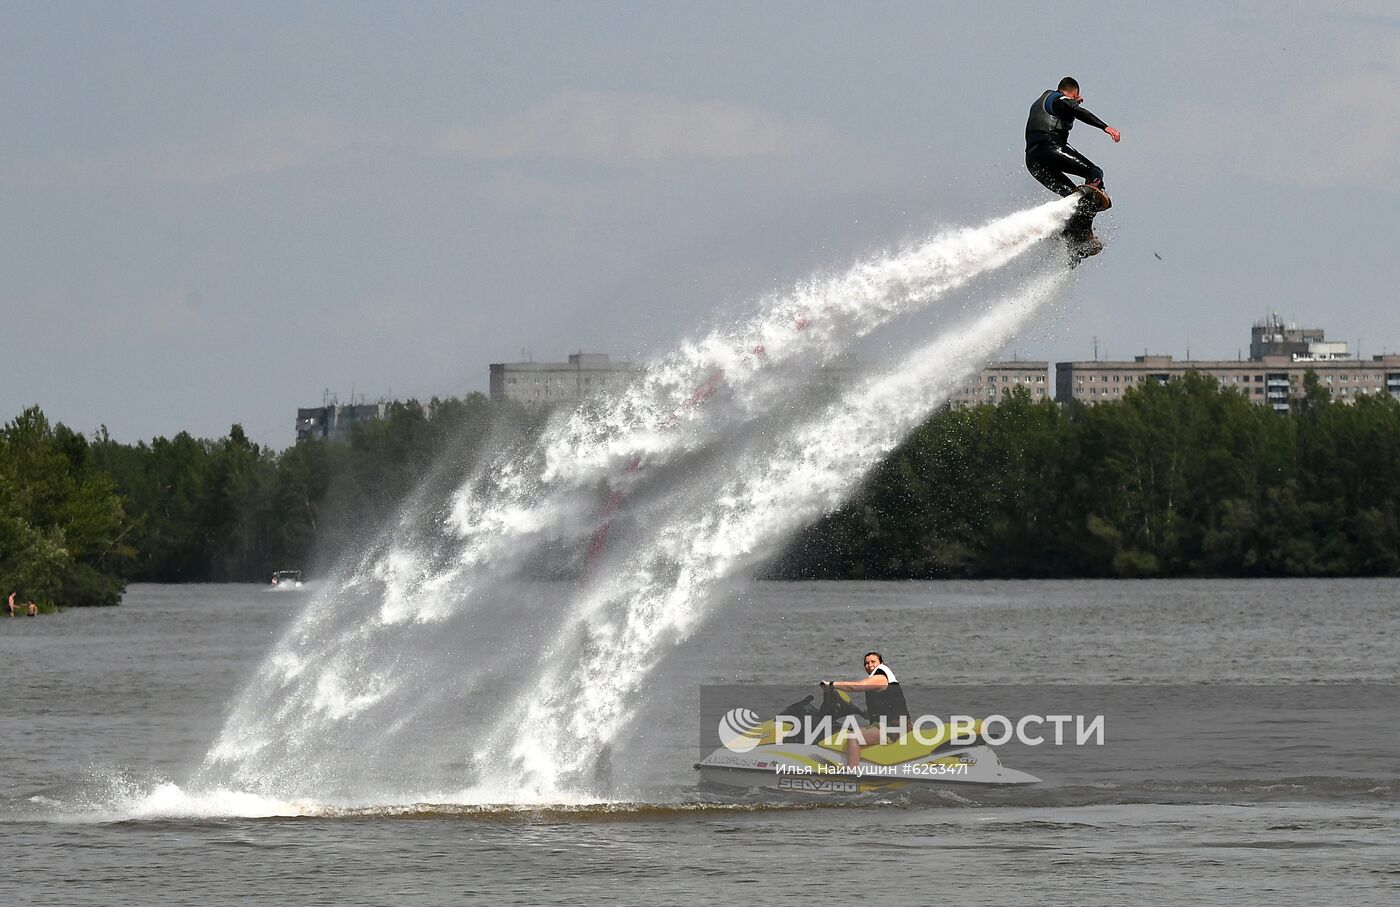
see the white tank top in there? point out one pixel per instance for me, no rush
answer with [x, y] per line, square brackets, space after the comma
[884, 669]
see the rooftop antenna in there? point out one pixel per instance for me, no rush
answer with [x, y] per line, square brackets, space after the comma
[1096, 348]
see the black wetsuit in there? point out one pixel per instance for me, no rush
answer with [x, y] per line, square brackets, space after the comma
[1048, 153]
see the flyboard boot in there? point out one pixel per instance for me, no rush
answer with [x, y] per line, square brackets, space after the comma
[1079, 230]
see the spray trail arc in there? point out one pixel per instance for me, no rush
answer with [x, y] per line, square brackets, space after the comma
[844, 310]
[805, 328]
[544, 496]
[362, 670]
[664, 589]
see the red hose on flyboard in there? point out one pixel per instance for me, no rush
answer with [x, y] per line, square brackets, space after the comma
[705, 391]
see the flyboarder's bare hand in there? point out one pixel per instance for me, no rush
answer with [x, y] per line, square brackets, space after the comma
[1113, 133]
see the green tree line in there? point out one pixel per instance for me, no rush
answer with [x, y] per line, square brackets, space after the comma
[64, 535]
[1181, 479]
[81, 518]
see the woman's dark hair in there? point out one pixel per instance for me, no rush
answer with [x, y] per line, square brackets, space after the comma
[876, 654]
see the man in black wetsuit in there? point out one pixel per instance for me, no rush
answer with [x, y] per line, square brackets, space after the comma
[1048, 153]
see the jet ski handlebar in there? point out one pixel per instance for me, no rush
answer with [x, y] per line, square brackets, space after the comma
[834, 704]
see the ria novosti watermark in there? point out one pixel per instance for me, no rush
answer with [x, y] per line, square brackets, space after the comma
[1320, 738]
[740, 729]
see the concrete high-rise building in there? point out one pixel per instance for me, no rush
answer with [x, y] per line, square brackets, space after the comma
[1271, 337]
[332, 421]
[584, 375]
[1280, 355]
[997, 380]
[588, 374]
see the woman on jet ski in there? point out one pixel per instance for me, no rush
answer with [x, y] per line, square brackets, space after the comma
[884, 705]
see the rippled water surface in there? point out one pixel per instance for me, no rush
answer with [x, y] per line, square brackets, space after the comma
[108, 712]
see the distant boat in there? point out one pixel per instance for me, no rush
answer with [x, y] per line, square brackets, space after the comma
[287, 579]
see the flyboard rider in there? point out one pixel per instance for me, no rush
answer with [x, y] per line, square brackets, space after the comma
[884, 704]
[1048, 153]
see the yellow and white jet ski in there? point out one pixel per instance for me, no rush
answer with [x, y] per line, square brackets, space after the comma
[773, 754]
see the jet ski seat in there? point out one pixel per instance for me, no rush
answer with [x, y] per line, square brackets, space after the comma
[905, 749]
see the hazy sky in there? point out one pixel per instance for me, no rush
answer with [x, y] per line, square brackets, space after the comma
[212, 212]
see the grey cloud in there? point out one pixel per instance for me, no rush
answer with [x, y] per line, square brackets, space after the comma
[248, 149]
[1345, 133]
[626, 128]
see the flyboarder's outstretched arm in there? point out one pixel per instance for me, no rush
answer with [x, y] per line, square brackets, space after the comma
[1076, 110]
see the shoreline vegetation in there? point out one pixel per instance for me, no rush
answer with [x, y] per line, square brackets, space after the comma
[1183, 479]
[1186, 479]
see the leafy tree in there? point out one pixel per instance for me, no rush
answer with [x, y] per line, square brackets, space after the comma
[1178, 479]
[1181, 479]
[62, 526]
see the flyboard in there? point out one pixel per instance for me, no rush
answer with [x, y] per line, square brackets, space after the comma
[1079, 230]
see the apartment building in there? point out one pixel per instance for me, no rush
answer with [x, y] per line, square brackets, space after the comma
[1280, 355]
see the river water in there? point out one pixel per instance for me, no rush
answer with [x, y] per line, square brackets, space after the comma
[108, 712]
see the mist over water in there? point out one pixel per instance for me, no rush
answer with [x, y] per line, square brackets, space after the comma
[440, 668]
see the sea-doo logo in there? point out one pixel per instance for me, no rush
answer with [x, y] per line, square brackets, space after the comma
[818, 785]
[739, 730]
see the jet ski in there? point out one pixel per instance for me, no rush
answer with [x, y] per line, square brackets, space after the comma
[754, 757]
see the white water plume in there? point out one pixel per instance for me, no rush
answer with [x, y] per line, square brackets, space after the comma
[389, 679]
[661, 590]
[520, 496]
[815, 322]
